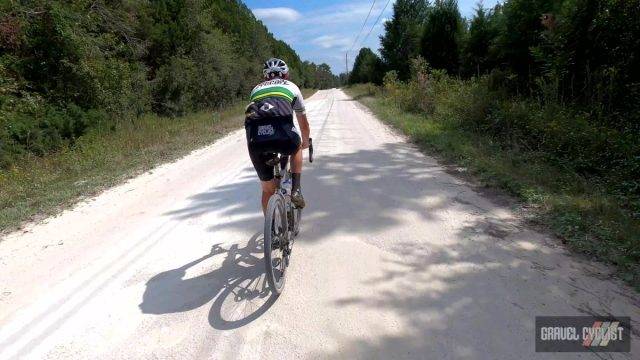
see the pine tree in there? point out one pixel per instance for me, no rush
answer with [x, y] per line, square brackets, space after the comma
[521, 31]
[401, 41]
[367, 68]
[441, 34]
[477, 51]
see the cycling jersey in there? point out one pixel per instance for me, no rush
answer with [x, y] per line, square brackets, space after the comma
[269, 123]
[279, 88]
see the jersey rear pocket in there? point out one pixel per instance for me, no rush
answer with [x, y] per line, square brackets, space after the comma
[270, 134]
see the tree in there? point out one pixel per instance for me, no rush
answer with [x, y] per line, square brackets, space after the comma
[68, 65]
[324, 77]
[401, 41]
[342, 79]
[367, 68]
[520, 31]
[593, 50]
[476, 54]
[440, 38]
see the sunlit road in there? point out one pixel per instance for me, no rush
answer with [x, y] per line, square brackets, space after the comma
[396, 259]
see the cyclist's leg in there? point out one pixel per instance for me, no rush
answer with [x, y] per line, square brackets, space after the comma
[295, 149]
[268, 189]
[296, 162]
[265, 173]
[296, 175]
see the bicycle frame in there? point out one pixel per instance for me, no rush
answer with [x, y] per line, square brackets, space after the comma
[280, 202]
[278, 170]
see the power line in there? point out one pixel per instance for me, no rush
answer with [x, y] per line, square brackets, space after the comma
[363, 25]
[376, 22]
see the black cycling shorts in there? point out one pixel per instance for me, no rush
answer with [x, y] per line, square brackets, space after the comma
[268, 136]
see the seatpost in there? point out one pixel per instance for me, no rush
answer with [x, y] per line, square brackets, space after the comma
[277, 172]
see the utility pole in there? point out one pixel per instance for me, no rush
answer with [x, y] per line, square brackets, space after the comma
[346, 63]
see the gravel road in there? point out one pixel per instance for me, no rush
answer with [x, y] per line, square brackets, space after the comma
[397, 258]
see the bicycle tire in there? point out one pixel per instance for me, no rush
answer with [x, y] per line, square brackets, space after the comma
[275, 234]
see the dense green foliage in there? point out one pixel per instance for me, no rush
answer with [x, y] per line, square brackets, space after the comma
[576, 52]
[69, 67]
[440, 36]
[477, 56]
[562, 78]
[401, 40]
[367, 68]
[553, 82]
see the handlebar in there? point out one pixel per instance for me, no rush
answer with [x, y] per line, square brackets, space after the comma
[310, 150]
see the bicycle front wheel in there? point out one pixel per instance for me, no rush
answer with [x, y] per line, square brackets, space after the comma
[275, 244]
[296, 213]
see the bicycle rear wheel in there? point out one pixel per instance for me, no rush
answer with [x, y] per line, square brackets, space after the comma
[275, 244]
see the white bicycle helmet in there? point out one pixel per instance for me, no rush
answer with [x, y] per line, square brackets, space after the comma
[275, 66]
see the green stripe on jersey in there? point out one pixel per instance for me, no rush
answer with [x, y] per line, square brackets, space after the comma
[272, 94]
[275, 90]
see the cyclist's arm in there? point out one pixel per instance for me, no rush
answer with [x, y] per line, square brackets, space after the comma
[304, 128]
[298, 107]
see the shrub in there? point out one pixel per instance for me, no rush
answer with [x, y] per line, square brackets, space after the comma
[390, 82]
[44, 129]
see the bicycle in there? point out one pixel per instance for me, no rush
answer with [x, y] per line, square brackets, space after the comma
[281, 224]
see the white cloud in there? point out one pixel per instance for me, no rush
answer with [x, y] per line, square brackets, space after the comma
[332, 41]
[323, 32]
[345, 13]
[281, 14]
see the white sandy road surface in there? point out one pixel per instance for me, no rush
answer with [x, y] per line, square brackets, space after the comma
[396, 259]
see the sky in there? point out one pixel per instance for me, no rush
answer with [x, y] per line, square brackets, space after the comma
[323, 31]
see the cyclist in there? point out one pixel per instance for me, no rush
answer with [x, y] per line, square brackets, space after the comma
[270, 128]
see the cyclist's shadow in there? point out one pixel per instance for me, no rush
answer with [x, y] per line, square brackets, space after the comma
[238, 287]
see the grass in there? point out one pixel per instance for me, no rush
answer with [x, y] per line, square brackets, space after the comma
[307, 93]
[42, 186]
[574, 208]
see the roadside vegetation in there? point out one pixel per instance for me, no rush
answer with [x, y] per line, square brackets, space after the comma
[39, 186]
[93, 91]
[538, 98]
[42, 185]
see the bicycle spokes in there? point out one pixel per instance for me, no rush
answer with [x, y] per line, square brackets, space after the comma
[276, 243]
